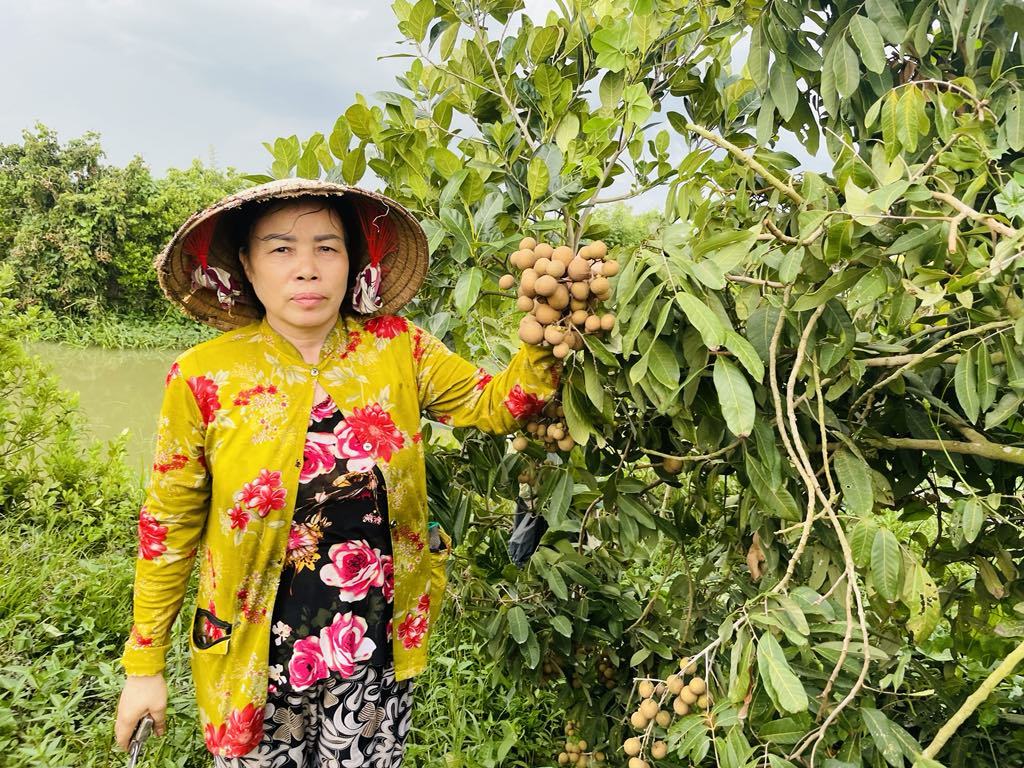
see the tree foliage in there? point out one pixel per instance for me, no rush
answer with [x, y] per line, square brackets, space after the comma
[836, 359]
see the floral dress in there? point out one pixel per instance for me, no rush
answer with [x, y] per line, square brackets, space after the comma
[332, 694]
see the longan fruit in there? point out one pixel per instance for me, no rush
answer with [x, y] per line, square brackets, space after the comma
[567, 444]
[688, 696]
[545, 285]
[585, 252]
[543, 250]
[530, 330]
[521, 443]
[528, 242]
[561, 351]
[638, 721]
[672, 465]
[592, 323]
[580, 292]
[514, 259]
[563, 758]
[636, 762]
[599, 756]
[560, 298]
[599, 286]
[659, 750]
[570, 747]
[645, 689]
[556, 268]
[649, 708]
[583, 761]
[541, 265]
[686, 666]
[680, 707]
[553, 335]
[577, 304]
[528, 281]
[581, 745]
[610, 268]
[607, 321]
[563, 253]
[698, 686]
[663, 718]
[675, 684]
[531, 426]
[556, 432]
[702, 701]
[579, 317]
[546, 314]
[524, 303]
[632, 746]
[506, 281]
[579, 268]
[598, 248]
[527, 259]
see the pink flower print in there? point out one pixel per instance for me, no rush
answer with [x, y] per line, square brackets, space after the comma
[268, 499]
[175, 370]
[386, 326]
[344, 642]
[152, 535]
[307, 664]
[238, 735]
[368, 432]
[412, 630]
[239, 517]
[264, 494]
[322, 410]
[482, 377]
[423, 606]
[205, 392]
[522, 404]
[319, 456]
[353, 569]
[388, 630]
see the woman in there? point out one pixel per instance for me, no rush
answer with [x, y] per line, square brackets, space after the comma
[289, 460]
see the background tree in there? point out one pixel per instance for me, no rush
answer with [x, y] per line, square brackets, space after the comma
[834, 360]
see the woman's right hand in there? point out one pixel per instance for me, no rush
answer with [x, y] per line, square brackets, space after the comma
[142, 694]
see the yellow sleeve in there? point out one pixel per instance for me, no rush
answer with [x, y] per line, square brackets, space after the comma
[456, 392]
[170, 524]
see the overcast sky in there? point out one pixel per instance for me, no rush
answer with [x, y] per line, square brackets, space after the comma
[173, 81]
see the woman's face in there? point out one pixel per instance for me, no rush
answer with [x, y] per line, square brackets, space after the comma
[298, 265]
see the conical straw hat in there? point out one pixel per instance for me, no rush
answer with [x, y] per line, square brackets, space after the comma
[226, 300]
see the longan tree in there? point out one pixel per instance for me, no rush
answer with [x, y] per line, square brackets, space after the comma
[786, 529]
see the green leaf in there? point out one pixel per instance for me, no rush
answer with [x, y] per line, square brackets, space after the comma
[734, 396]
[878, 726]
[309, 166]
[984, 376]
[703, 319]
[886, 563]
[467, 289]
[354, 165]
[562, 625]
[846, 69]
[518, 625]
[360, 120]
[557, 584]
[780, 680]
[966, 385]
[972, 518]
[419, 19]
[745, 353]
[855, 480]
[662, 363]
[575, 418]
[890, 21]
[1014, 120]
[869, 42]
[782, 82]
[537, 178]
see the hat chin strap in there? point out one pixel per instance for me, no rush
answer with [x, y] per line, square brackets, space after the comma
[366, 294]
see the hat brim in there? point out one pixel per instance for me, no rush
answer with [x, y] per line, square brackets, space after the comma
[405, 267]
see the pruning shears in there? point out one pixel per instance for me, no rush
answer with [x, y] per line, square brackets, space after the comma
[142, 731]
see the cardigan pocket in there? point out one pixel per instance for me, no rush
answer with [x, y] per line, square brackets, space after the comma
[210, 634]
[439, 575]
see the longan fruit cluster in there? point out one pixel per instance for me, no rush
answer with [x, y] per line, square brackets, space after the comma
[685, 697]
[560, 291]
[606, 671]
[549, 425]
[576, 750]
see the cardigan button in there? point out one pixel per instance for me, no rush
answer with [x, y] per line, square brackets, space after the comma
[394, 523]
[314, 371]
[298, 462]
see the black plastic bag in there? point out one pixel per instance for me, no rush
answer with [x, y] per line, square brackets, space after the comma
[527, 529]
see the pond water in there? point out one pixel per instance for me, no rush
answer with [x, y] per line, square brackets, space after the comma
[118, 389]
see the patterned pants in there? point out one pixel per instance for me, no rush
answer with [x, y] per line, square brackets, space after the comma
[335, 723]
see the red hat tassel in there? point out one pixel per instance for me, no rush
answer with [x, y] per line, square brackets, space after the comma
[380, 241]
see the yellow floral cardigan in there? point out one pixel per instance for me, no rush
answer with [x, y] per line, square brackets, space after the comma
[229, 451]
